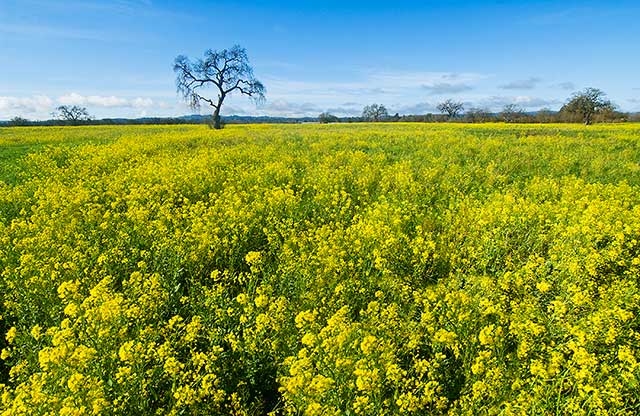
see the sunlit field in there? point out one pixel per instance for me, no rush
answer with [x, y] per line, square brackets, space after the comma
[369, 269]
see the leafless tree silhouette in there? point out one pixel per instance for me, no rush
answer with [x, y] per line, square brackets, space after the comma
[451, 108]
[225, 71]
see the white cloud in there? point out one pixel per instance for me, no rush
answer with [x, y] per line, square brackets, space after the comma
[98, 101]
[105, 101]
[22, 106]
[142, 102]
[71, 99]
[41, 106]
[373, 84]
[398, 90]
[279, 108]
[414, 79]
[404, 92]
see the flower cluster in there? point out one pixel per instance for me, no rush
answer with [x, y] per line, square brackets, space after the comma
[320, 270]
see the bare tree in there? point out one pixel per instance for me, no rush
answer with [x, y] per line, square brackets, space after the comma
[18, 121]
[375, 112]
[586, 104]
[73, 114]
[546, 115]
[511, 113]
[478, 115]
[226, 71]
[451, 108]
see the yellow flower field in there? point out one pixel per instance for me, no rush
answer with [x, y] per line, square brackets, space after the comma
[366, 269]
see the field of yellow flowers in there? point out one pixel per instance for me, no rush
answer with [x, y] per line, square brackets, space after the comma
[369, 269]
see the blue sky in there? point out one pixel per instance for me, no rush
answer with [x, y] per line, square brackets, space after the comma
[115, 57]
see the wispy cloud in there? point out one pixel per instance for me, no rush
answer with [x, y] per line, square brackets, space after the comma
[496, 102]
[523, 84]
[583, 13]
[346, 111]
[446, 88]
[57, 32]
[426, 79]
[289, 108]
[567, 85]
[280, 108]
[41, 11]
[418, 108]
[373, 86]
[114, 6]
[143, 9]
[400, 91]
[554, 17]
[269, 64]
[571, 15]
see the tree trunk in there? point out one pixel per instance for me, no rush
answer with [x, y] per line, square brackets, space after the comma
[216, 114]
[216, 119]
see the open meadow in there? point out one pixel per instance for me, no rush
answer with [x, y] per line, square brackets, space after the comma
[370, 269]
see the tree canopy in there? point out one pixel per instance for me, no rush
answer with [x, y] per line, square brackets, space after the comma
[327, 117]
[375, 112]
[512, 113]
[587, 103]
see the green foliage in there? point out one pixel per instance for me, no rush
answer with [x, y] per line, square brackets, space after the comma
[586, 104]
[375, 112]
[326, 117]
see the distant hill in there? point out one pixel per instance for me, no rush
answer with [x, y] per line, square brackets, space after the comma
[233, 119]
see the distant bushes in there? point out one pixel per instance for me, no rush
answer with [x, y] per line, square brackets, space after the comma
[480, 115]
[473, 115]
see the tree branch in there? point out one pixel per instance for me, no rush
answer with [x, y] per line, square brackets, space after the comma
[228, 70]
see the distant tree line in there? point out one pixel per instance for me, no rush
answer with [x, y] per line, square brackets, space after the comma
[472, 115]
[507, 115]
[192, 119]
[23, 122]
[588, 106]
